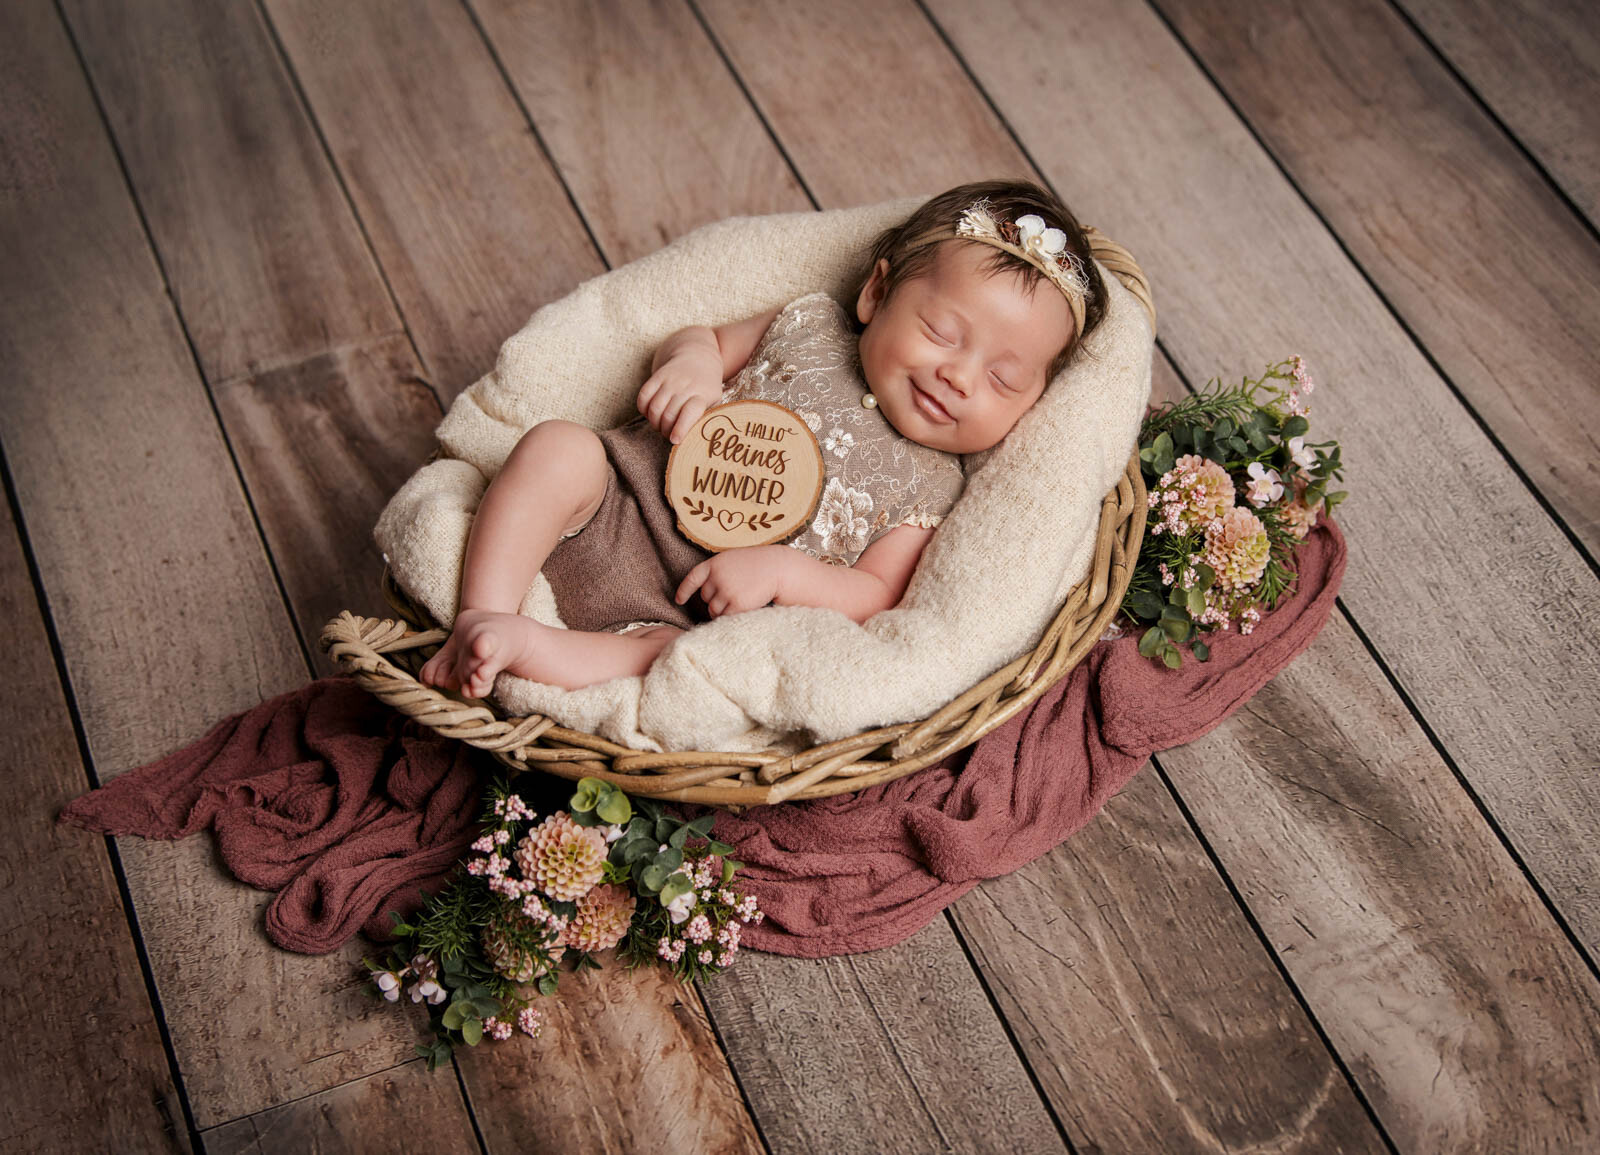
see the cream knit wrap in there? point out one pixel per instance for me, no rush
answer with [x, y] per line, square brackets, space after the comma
[785, 677]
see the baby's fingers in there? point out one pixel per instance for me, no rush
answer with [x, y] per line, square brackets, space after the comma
[647, 391]
[687, 416]
[691, 582]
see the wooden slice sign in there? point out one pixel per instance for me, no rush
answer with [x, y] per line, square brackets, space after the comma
[748, 473]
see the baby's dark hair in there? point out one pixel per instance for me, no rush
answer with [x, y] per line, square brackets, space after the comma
[910, 247]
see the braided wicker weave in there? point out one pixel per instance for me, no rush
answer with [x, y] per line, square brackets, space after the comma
[384, 656]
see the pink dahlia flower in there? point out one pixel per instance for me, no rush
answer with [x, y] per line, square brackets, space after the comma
[602, 919]
[562, 858]
[1237, 549]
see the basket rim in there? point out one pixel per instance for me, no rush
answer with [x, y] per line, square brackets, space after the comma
[383, 656]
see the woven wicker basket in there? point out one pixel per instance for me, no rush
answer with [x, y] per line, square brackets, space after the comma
[384, 656]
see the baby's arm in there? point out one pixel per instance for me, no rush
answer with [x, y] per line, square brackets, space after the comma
[875, 583]
[737, 580]
[688, 370]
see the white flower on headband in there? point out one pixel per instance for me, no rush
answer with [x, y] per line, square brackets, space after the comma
[1036, 238]
[1042, 246]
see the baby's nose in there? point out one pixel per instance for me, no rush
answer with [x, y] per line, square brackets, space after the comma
[958, 376]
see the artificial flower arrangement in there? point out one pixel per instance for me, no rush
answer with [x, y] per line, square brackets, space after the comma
[1233, 487]
[575, 884]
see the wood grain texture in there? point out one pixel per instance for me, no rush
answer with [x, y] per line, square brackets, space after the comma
[1504, 681]
[865, 99]
[484, 236]
[323, 444]
[626, 1062]
[641, 116]
[64, 930]
[406, 1108]
[1465, 238]
[1536, 63]
[209, 127]
[1110, 962]
[145, 546]
[1151, 1082]
[894, 1050]
[471, 225]
[1458, 1003]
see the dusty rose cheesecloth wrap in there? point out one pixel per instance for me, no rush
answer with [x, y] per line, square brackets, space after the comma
[347, 810]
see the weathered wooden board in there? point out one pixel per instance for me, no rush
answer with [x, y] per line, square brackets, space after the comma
[641, 117]
[625, 1062]
[171, 74]
[406, 1108]
[85, 1041]
[1470, 594]
[167, 613]
[482, 240]
[469, 222]
[837, 83]
[788, 74]
[1110, 962]
[1466, 240]
[324, 443]
[896, 1049]
[1433, 965]
[1536, 63]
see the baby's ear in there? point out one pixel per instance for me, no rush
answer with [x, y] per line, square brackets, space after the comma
[872, 292]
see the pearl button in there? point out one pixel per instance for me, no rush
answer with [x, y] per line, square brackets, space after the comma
[868, 401]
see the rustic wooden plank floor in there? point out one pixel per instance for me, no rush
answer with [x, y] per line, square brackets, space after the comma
[249, 251]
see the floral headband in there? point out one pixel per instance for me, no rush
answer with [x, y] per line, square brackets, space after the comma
[1042, 247]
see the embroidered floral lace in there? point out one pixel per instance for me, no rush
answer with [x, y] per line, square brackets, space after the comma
[875, 478]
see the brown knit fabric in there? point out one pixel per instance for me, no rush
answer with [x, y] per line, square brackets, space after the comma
[628, 561]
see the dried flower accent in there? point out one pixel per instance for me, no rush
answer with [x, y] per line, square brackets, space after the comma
[602, 919]
[1208, 563]
[562, 858]
[1237, 549]
[518, 964]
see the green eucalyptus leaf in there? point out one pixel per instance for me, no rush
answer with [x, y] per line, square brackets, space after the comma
[678, 884]
[1197, 601]
[679, 837]
[588, 794]
[653, 877]
[1208, 576]
[472, 1032]
[1172, 658]
[1202, 652]
[1176, 596]
[721, 848]
[452, 1016]
[615, 809]
[728, 867]
[1223, 428]
[1296, 426]
[1145, 604]
[1151, 641]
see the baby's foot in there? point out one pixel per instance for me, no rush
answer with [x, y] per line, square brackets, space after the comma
[481, 645]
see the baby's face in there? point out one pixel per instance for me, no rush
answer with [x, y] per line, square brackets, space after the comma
[956, 357]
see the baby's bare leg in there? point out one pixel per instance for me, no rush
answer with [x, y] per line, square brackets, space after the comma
[553, 481]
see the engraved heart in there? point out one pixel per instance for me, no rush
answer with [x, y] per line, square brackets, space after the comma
[729, 519]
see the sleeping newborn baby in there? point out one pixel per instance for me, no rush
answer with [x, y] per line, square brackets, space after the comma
[951, 342]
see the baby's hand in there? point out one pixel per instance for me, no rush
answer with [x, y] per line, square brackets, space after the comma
[675, 395]
[737, 580]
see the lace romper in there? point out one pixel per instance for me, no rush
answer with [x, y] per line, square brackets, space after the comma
[621, 569]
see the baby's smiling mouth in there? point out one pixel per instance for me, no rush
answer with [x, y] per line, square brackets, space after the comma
[930, 406]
